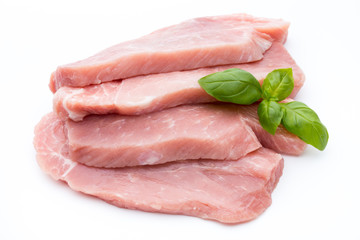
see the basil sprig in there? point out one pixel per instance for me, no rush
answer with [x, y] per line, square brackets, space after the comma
[241, 87]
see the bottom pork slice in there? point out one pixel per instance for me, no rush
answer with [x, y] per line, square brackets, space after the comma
[225, 191]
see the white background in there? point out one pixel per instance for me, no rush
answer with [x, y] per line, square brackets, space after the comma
[318, 194]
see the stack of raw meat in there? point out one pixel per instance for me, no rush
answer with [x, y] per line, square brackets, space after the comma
[132, 126]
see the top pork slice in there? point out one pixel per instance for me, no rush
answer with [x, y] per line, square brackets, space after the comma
[154, 92]
[199, 42]
[186, 132]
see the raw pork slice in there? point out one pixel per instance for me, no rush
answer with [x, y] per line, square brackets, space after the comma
[187, 132]
[154, 92]
[203, 131]
[200, 42]
[225, 191]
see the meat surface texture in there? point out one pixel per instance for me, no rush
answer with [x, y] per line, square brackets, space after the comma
[144, 94]
[225, 191]
[200, 42]
[203, 131]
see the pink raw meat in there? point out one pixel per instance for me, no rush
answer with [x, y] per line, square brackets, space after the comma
[199, 42]
[144, 94]
[203, 131]
[187, 132]
[225, 191]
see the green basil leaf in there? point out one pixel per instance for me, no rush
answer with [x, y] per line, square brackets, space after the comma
[232, 85]
[278, 84]
[305, 123]
[270, 115]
